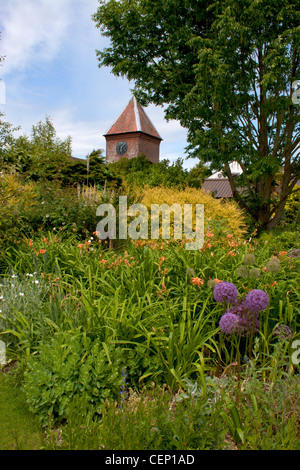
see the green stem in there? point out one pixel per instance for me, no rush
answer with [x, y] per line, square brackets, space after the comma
[238, 368]
[219, 358]
[251, 337]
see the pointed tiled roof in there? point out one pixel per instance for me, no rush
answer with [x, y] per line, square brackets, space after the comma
[133, 119]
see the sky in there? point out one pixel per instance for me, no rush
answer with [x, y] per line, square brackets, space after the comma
[51, 69]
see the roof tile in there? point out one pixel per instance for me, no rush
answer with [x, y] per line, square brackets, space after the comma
[133, 119]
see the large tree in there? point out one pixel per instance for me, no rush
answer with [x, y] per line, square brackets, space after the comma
[224, 69]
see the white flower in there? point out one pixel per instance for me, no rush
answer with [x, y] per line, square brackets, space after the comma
[21, 294]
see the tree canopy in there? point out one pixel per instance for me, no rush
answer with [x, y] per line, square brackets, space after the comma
[224, 69]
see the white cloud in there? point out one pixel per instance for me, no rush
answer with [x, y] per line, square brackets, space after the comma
[32, 31]
[51, 69]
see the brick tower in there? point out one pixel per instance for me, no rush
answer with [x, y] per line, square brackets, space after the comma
[131, 135]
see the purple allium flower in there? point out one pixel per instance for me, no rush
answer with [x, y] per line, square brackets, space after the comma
[248, 321]
[225, 291]
[257, 300]
[229, 323]
[294, 253]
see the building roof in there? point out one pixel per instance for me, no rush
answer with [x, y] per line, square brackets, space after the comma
[133, 119]
[218, 187]
[235, 169]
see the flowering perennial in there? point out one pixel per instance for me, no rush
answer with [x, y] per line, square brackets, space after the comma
[229, 322]
[242, 316]
[257, 300]
[225, 292]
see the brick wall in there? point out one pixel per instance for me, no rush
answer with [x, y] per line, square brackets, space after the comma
[137, 143]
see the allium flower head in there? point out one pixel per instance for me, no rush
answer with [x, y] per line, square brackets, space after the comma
[273, 265]
[247, 321]
[225, 292]
[211, 283]
[283, 332]
[190, 272]
[229, 323]
[257, 300]
[249, 259]
[294, 253]
[254, 273]
[242, 271]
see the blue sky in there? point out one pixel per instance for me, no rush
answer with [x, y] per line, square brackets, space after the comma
[51, 69]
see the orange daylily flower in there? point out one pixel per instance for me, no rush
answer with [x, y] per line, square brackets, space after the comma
[164, 286]
[42, 251]
[103, 261]
[197, 281]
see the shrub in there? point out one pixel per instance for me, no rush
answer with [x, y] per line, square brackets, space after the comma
[72, 365]
[220, 217]
[16, 197]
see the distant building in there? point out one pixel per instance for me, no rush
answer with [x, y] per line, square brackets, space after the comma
[218, 185]
[131, 135]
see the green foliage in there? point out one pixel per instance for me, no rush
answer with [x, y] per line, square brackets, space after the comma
[148, 420]
[44, 156]
[71, 365]
[292, 208]
[138, 310]
[6, 138]
[56, 208]
[141, 172]
[224, 70]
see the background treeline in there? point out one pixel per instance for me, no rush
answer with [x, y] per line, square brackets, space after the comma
[44, 156]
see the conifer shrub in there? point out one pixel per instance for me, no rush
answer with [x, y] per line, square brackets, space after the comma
[222, 217]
